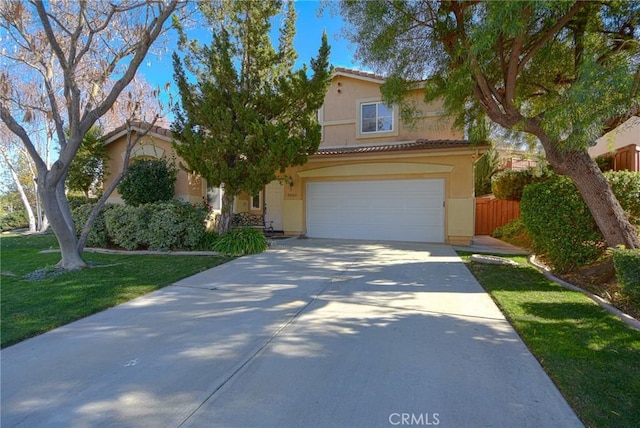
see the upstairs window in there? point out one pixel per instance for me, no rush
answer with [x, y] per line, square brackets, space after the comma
[376, 117]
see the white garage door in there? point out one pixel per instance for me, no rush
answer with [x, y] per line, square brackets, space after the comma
[390, 210]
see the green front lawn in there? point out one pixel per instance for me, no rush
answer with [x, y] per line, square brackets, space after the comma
[30, 307]
[592, 356]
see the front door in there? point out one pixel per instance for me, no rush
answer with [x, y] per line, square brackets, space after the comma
[274, 201]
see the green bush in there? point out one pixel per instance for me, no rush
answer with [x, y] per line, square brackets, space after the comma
[208, 241]
[126, 226]
[605, 162]
[98, 236]
[627, 265]
[161, 226]
[626, 187]
[560, 224]
[514, 232]
[175, 225]
[76, 201]
[148, 181]
[509, 184]
[241, 241]
[483, 170]
[14, 220]
[194, 218]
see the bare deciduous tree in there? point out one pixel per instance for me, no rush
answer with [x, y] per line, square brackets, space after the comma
[82, 56]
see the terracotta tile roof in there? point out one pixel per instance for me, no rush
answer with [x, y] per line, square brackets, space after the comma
[358, 73]
[137, 126]
[420, 144]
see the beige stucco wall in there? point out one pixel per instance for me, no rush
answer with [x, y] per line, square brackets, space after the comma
[188, 187]
[339, 116]
[625, 134]
[454, 166]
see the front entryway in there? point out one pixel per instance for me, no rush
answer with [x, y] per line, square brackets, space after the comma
[274, 200]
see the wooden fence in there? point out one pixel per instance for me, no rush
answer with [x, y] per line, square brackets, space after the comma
[492, 213]
[628, 158]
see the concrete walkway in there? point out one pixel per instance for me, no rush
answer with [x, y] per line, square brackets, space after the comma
[312, 333]
[489, 244]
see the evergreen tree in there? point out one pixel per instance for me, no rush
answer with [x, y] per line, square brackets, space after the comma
[88, 166]
[248, 115]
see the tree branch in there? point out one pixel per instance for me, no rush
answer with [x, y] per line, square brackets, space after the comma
[82, 240]
[17, 129]
[549, 34]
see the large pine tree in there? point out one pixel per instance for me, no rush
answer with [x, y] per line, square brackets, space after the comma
[248, 115]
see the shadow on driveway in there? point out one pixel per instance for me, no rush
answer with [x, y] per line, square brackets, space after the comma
[311, 333]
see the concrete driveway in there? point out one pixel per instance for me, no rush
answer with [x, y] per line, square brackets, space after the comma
[312, 333]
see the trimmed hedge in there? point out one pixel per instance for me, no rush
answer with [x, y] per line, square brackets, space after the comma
[14, 220]
[159, 226]
[98, 236]
[126, 226]
[561, 225]
[627, 265]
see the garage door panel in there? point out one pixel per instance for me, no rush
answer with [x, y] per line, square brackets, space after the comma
[400, 210]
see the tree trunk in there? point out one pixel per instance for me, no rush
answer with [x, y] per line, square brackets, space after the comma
[58, 213]
[597, 195]
[33, 227]
[226, 211]
[22, 193]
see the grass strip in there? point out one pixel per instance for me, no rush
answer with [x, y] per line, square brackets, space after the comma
[31, 307]
[592, 356]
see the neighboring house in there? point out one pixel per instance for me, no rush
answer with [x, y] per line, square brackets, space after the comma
[622, 145]
[372, 178]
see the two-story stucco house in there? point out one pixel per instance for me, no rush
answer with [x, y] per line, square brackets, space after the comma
[373, 177]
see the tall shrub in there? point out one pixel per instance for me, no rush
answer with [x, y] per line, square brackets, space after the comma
[560, 223]
[147, 181]
[509, 184]
[626, 187]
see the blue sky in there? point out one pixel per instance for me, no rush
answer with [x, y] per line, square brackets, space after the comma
[309, 28]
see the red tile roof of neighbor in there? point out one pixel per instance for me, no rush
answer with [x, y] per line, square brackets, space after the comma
[420, 144]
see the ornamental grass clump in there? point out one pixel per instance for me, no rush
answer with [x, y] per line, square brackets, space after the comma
[240, 242]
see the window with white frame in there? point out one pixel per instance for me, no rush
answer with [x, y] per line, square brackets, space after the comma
[256, 202]
[376, 117]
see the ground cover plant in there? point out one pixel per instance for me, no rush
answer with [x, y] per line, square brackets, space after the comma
[590, 355]
[35, 300]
